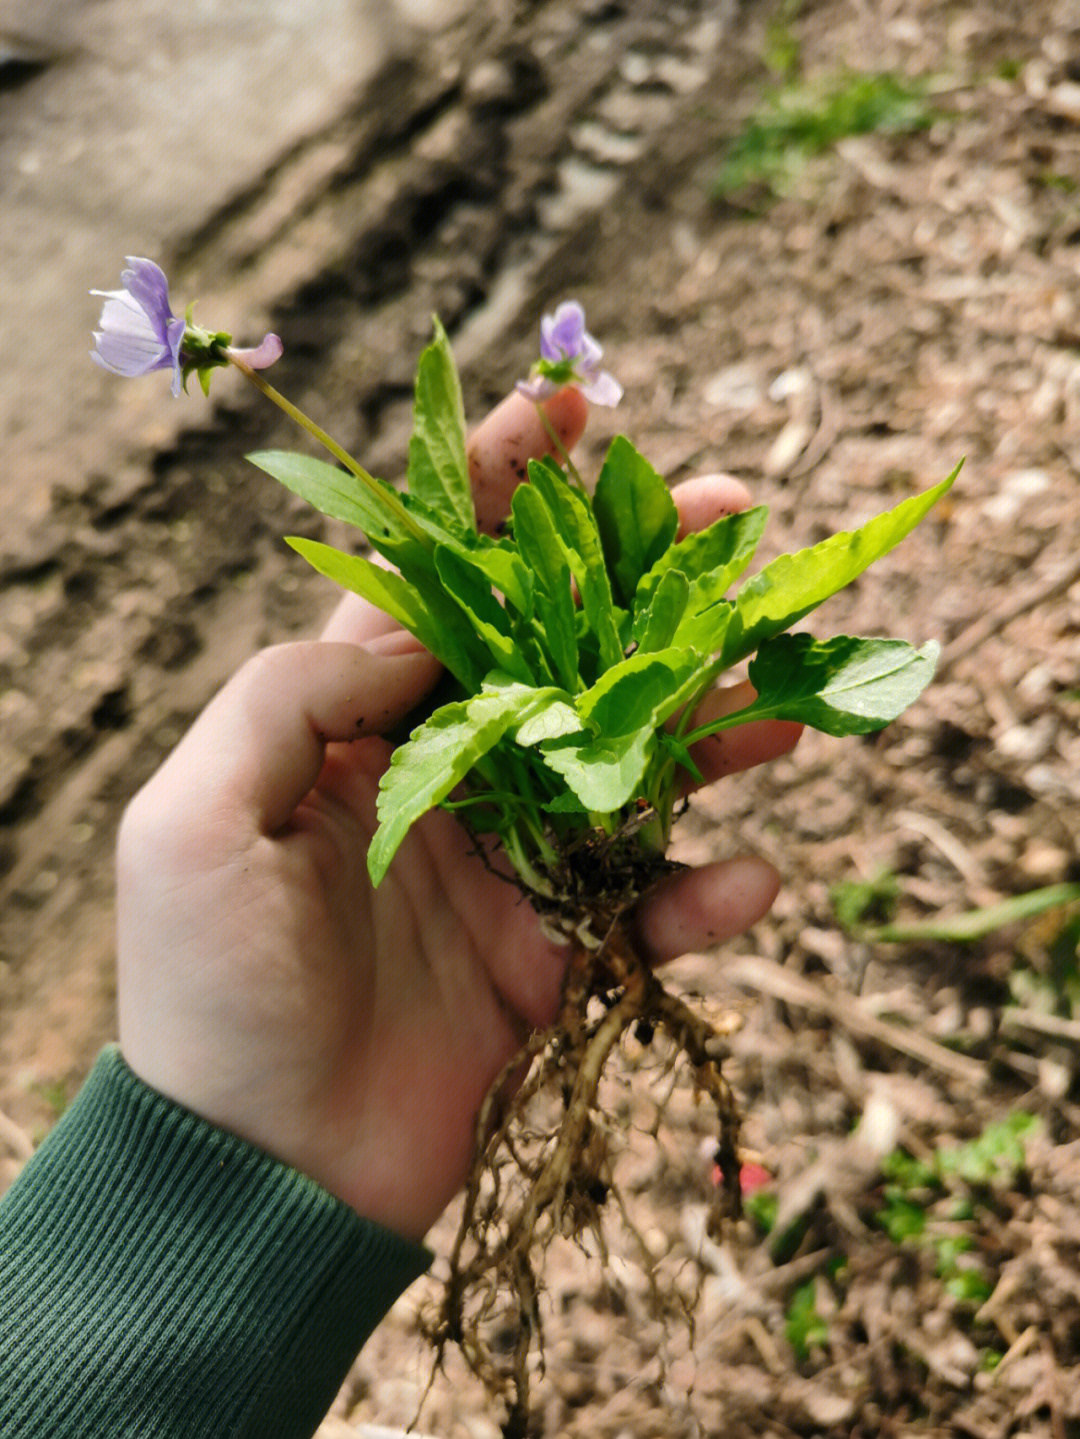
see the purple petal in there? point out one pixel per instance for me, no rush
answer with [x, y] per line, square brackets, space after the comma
[174, 338]
[148, 287]
[121, 315]
[537, 387]
[590, 353]
[126, 354]
[562, 335]
[137, 331]
[604, 389]
[267, 352]
[126, 341]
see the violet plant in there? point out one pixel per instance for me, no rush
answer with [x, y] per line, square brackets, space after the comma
[579, 643]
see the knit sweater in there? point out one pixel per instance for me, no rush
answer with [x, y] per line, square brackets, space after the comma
[162, 1279]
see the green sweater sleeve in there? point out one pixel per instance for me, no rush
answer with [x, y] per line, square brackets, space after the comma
[162, 1279]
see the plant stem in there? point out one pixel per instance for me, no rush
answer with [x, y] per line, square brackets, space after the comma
[563, 453]
[389, 499]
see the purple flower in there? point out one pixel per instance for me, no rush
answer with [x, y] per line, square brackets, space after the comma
[570, 356]
[139, 332]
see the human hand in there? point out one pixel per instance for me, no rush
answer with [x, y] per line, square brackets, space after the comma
[264, 984]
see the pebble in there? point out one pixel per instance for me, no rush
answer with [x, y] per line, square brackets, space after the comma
[1015, 494]
[1042, 862]
[1029, 742]
[1064, 100]
[736, 387]
[1055, 1077]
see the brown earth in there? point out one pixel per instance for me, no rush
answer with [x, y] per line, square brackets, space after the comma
[912, 301]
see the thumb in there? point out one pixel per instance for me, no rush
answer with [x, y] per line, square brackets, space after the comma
[259, 746]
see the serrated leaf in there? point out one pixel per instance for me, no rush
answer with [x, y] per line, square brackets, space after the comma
[623, 711]
[711, 559]
[566, 803]
[793, 585]
[635, 515]
[443, 631]
[604, 773]
[842, 686]
[438, 465]
[470, 590]
[436, 757]
[334, 492]
[580, 542]
[655, 625]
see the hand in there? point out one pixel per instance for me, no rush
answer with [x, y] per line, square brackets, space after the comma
[352, 1032]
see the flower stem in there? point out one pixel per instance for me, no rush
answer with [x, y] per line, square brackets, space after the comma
[561, 450]
[387, 498]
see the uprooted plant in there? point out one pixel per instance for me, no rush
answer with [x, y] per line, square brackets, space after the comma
[579, 643]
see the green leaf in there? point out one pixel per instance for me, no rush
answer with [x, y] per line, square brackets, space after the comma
[603, 773]
[438, 755]
[642, 691]
[540, 549]
[505, 568]
[579, 540]
[336, 493]
[565, 803]
[421, 610]
[705, 631]
[635, 515]
[556, 719]
[841, 686]
[655, 625]
[793, 585]
[622, 711]
[975, 924]
[497, 563]
[472, 592]
[438, 466]
[711, 559]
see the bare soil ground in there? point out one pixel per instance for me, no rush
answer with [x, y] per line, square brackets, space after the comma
[913, 300]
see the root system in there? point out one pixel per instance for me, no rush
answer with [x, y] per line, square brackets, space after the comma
[544, 1154]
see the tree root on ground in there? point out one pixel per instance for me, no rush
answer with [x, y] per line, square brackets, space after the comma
[532, 1182]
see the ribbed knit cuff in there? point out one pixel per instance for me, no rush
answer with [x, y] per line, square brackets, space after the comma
[161, 1277]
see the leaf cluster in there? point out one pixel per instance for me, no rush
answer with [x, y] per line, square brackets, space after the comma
[582, 638]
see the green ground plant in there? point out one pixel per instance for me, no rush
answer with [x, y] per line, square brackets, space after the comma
[800, 120]
[942, 1202]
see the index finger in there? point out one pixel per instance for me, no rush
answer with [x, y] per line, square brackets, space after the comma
[499, 453]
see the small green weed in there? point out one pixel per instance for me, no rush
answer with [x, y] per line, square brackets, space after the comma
[937, 1202]
[782, 52]
[799, 121]
[805, 1327]
[966, 928]
[761, 1209]
[1051, 983]
[858, 902]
